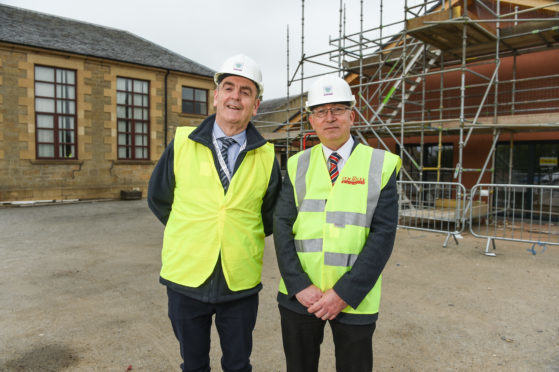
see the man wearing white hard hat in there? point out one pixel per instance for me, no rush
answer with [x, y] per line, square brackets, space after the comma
[334, 229]
[214, 188]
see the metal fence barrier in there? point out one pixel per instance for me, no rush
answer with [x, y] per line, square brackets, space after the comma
[521, 213]
[432, 206]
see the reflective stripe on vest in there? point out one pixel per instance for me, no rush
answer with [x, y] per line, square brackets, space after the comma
[300, 179]
[308, 245]
[339, 259]
[312, 205]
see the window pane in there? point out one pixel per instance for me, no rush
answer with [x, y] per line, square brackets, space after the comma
[124, 139]
[65, 91]
[45, 135]
[45, 151]
[65, 122]
[138, 113]
[122, 126]
[44, 73]
[66, 136]
[200, 95]
[122, 98]
[71, 77]
[44, 89]
[187, 93]
[187, 107]
[66, 151]
[45, 121]
[69, 122]
[122, 152]
[138, 100]
[145, 102]
[140, 127]
[65, 76]
[65, 107]
[138, 86]
[121, 112]
[200, 108]
[121, 84]
[141, 153]
[44, 105]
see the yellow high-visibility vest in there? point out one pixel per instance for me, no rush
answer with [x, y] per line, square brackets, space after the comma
[333, 222]
[205, 223]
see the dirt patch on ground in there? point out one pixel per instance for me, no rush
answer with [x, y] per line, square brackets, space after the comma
[80, 292]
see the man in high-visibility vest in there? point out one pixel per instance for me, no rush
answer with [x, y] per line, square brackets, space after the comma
[334, 229]
[214, 188]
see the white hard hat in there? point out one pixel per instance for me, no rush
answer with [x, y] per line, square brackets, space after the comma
[241, 65]
[329, 89]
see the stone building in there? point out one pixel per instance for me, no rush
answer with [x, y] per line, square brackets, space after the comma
[86, 110]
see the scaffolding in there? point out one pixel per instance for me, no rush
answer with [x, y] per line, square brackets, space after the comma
[436, 72]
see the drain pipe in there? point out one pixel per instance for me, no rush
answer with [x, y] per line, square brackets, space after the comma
[165, 123]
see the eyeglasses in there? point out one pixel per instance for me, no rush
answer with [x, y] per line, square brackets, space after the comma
[336, 111]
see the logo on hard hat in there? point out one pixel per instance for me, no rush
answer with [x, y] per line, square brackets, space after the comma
[328, 90]
[238, 66]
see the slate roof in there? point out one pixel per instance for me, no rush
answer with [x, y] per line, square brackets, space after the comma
[272, 104]
[30, 28]
[275, 104]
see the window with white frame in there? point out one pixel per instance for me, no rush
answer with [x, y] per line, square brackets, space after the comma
[55, 113]
[132, 111]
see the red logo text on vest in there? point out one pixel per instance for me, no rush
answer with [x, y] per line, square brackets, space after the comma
[353, 180]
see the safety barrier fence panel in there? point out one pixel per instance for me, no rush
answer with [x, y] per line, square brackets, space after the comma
[432, 206]
[522, 213]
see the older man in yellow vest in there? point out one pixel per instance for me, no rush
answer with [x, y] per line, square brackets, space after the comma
[214, 188]
[334, 229]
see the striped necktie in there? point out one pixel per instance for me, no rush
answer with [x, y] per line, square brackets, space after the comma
[225, 143]
[333, 169]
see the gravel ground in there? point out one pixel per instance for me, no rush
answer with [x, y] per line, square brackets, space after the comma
[80, 292]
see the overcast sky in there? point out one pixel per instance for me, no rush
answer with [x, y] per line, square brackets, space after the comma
[210, 31]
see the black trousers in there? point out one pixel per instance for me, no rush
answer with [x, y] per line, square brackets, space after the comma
[234, 320]
[303, 334]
